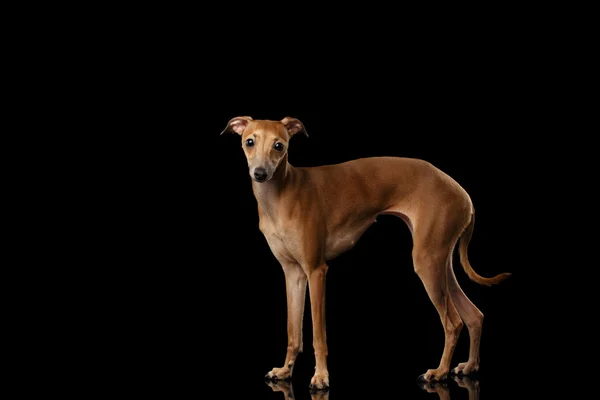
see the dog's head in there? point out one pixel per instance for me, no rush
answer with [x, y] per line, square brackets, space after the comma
[265, 143]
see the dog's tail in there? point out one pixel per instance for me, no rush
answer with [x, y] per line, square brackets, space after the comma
[465, 238]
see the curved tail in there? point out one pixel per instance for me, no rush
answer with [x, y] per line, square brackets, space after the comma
[465, 238]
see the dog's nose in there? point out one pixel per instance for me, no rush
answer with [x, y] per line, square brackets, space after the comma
[260, 174]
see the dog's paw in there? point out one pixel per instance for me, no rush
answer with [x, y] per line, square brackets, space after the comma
[320, 381]
[466, 368]
[434, 375]
[279, 374]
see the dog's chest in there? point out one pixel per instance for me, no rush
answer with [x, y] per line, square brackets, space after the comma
[288, 242]
[283, 243]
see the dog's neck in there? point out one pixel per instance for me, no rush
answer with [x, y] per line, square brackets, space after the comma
[268, 193]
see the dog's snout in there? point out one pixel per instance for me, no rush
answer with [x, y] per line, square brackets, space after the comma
[260, 174]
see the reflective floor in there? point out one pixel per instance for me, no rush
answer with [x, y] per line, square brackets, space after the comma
[206, 381]
[358, 382]
[457, 388]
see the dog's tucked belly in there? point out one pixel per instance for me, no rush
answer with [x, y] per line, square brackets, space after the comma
[344, 239]
[286, 244]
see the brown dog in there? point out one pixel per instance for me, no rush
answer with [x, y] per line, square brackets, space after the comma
[312, 215]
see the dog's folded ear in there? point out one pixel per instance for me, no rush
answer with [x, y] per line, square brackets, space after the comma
[293, 125]
[237, 125]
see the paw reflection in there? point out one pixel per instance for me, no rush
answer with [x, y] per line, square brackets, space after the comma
[472, 385]
[282, 386]
[288, 392]
[441, 388]
[319, 394]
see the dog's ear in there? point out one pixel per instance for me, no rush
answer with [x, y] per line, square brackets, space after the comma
[293, 125]
[237, 125]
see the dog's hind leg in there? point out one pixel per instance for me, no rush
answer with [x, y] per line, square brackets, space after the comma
[431, 268]
[434, 238]
[472, 317]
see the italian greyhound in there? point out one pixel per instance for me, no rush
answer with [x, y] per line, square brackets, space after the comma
[312, 215]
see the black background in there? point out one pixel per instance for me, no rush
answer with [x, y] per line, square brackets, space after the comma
[190, 295]
[154, 272]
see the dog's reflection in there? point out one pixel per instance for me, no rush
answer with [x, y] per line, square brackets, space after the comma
[472, 385]
[441, 388]
[288, 392]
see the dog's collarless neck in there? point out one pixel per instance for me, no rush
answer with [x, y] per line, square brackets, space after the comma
[268, 193]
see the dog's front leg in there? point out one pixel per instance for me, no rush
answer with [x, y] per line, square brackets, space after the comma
[295, 284]
[316, 284]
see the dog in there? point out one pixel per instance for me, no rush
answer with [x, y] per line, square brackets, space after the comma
[312, 215]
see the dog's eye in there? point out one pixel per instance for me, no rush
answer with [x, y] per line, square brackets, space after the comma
[249, 142]
[278, 146]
